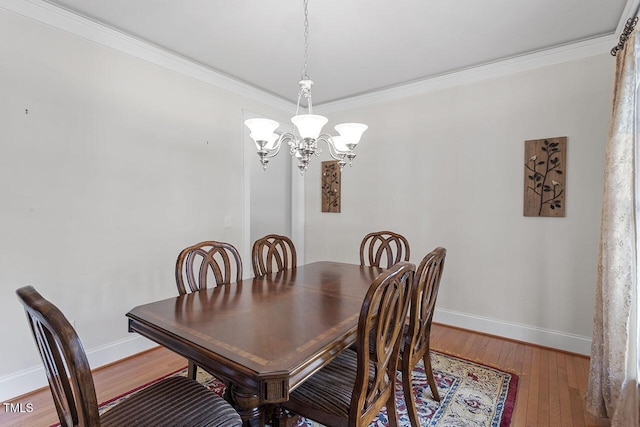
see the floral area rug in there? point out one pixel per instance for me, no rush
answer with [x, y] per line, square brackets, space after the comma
[471, 394]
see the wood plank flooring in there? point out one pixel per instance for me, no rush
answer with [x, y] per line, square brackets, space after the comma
[550, 392]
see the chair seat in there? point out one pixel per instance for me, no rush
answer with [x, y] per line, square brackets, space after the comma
[330, 388]
[174, 401]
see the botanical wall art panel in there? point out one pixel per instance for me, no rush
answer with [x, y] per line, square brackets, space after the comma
[331, 178]
[544, 176]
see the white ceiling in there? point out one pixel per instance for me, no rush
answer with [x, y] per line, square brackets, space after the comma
[355, 46]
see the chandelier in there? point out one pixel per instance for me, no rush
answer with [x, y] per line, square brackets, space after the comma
[303, 141]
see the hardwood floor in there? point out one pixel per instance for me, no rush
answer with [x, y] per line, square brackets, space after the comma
[551, 386]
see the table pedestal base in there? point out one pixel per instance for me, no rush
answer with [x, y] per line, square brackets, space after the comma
[248, 406]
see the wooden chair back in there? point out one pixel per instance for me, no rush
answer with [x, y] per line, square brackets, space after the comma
[273, 253]
[207, 263]
[380, 328]
[424, 295]
[381, 246]
[417, 340]
[174, 400]
[64, 360]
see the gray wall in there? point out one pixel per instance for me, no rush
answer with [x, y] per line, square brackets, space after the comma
[270, 190]
[118, 165]
[445, 168]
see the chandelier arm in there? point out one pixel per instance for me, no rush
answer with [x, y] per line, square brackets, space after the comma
[287, 136]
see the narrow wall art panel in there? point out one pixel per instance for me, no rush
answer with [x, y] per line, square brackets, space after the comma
[544, 176]
[331, 178]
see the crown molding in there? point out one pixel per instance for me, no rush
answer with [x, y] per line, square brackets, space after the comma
[630, 10]
[56, 17]
[64, 20]
[519, 64]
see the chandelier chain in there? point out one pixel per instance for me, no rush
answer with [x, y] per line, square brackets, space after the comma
[305, 76]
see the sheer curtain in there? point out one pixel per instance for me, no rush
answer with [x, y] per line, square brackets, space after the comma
[613, 378]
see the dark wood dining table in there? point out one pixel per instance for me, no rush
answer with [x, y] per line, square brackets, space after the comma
[264, 335]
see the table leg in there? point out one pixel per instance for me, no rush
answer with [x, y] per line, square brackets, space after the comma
[247, 403]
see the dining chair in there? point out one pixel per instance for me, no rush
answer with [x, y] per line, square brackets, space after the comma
[379, 246]
[353, 388]
[417, 339]
[207, 263]
[273, 253]
[203, 264]
[175, 400]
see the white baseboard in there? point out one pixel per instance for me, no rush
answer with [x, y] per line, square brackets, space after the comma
[545, 337]
[30, 379]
